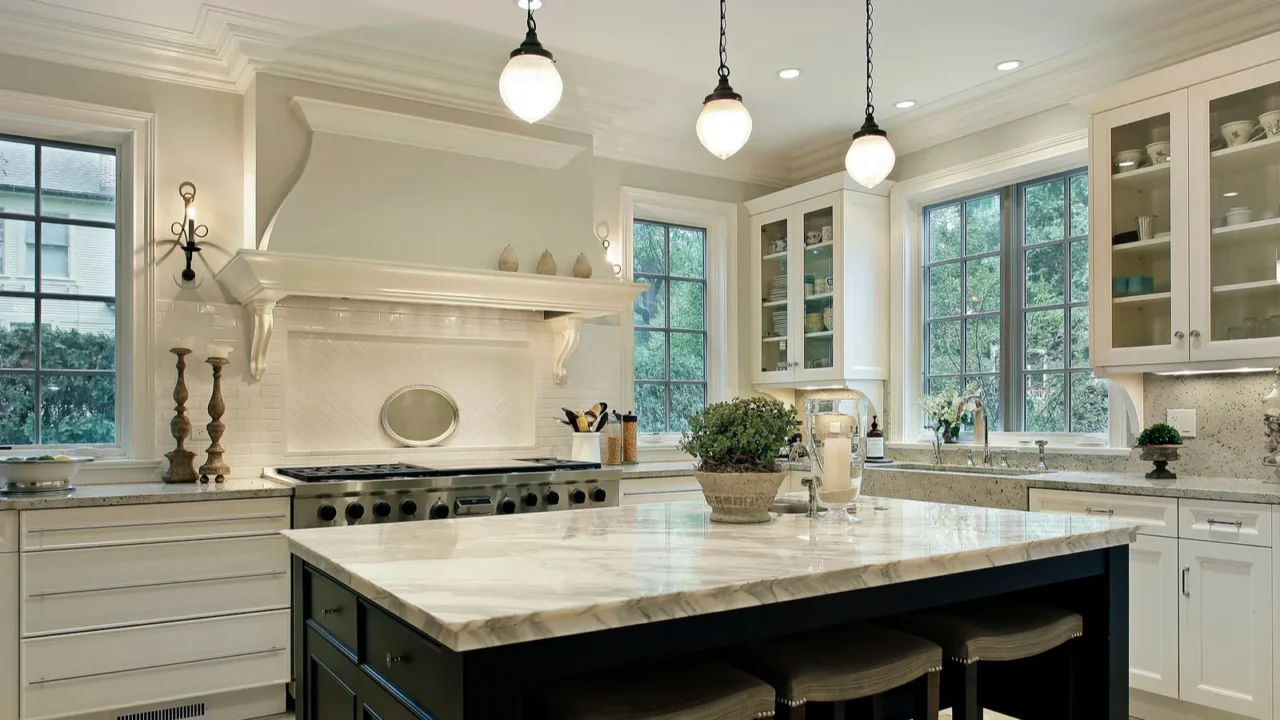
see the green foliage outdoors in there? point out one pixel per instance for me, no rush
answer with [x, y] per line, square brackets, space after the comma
[740, 436]
[74, 409]
[1160, 434]
[1057, 338]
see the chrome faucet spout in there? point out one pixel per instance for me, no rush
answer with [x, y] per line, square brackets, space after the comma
[981, 409]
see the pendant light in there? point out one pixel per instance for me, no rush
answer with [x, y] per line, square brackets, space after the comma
[724, 123]
[530, 85]
[870, 158]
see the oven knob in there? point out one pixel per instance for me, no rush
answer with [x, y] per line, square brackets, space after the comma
[551, 498]
[530, 499]
[382, 508]
[327, 513]
[410, 508]
[506, 506]
[439, 511]
[598, 495]
[577, 497]
[355, 511]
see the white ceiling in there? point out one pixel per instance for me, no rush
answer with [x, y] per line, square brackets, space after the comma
[643, 65]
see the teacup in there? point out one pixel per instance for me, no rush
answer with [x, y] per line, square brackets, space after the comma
[1127, 160]
[1271, 123]
[813, 237]
[1158, 152]
[1241, 132]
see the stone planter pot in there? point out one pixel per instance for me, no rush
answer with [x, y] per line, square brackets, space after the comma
[740, 497]
[1160, 456]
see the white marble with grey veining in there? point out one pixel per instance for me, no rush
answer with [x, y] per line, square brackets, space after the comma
[1186, 486]
[476, 583]
[147, 493]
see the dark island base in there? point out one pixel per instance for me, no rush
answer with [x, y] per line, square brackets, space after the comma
[354, 661]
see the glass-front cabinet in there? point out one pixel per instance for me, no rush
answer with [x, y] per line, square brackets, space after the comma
[772, 233]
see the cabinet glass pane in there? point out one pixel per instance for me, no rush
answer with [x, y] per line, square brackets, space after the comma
[774, 301]
[819, 288]
[1244, 208]
[1140, 210]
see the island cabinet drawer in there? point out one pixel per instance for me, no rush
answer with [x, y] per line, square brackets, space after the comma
[1233, 522]
[407, 661]
[165, 522]
[332, 607]
[8, 531]
[1154, 516]
[95, 588]
[67, 675]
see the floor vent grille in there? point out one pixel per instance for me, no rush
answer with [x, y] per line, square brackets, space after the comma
[177, 712]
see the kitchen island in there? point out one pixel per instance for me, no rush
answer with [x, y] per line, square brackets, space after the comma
[457, 619]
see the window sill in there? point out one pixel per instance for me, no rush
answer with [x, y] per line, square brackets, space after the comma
[1051, 449]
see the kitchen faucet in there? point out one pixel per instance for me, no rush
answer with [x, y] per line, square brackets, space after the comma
[981, 408]
[936, 427]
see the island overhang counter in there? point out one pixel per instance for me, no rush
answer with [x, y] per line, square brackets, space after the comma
[457, 619]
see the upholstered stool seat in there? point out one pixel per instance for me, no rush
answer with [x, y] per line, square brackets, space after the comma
[852, 663]
[679, 690]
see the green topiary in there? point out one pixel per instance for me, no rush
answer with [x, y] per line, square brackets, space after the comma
[1160, 434]
[739, 436]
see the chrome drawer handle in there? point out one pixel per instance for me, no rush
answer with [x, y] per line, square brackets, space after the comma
[394, 659]
[136, 586]
[1109, 512]
[141, 668]
[1237, 524]
[326, 612]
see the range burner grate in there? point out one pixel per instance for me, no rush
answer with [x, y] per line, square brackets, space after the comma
[322, 473]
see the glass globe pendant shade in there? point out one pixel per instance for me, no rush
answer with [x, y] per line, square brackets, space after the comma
[530, 85]
[870, 158]
[724, 125]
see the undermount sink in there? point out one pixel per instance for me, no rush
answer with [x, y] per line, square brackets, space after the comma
[963, 469]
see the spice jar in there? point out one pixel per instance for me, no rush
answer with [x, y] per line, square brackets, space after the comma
[630, 430]
[613, 440]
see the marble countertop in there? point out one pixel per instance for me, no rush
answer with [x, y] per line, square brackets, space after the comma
[147, 493]
[680, 468]
[1186, 486]
[476, 583]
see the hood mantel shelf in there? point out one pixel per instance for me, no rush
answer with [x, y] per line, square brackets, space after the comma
[260, 279]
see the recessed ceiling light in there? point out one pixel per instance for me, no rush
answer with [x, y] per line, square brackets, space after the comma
[1008, 65]
[524, 4]
[1230, 194]
[789, 73]
[905, 104]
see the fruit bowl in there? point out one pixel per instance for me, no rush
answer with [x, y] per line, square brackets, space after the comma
[44, 473]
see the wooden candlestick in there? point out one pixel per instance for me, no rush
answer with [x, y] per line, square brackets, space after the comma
[214, 465]
[182, 467]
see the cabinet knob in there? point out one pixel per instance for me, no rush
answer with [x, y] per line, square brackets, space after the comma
[326, 612]
[1179, 335]
[1195, 334]
[393, 659]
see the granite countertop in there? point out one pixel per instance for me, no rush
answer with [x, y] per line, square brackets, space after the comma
[147, 493]
[1186, 486]
[477, 583]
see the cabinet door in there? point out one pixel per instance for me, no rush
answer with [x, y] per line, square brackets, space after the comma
[9, 635]
[818, 290]
[1225, 658]
[1235, 216]
[1139, 240]
[1153, 615]
[774, 236]
[328, 697]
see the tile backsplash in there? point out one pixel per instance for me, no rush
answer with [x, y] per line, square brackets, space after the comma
[332, 363]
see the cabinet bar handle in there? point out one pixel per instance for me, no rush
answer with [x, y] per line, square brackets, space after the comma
[1237, 524]
[141, 668]
[1186, 570]
[330, 611]
[1109, 512]
[112, 588]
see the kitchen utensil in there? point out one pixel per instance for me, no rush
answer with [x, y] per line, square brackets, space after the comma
[1241, 132]
[1239, 215]
[1158, 152]
[35, 475]
[1146, 227]
[586, 447]
[596, 410]
[600, 422]
[1127, 160]
[1270, 123]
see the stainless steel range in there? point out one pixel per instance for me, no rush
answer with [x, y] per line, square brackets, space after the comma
[396, 492]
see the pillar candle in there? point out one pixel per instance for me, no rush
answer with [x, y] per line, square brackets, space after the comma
[837, 453]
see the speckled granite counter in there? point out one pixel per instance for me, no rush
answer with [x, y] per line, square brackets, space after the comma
[147, 493]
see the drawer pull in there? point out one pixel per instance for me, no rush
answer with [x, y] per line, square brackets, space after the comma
[394, 659]
[1237, 524]
[155, 523]
[141, 668]
[326, 612]
[1109, 512]
[113, 588]
[1186, 570]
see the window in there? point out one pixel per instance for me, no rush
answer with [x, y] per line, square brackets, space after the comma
[58, 330]
[670, 320]
[1006, 305]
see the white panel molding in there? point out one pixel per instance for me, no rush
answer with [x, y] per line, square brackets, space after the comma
[369, 124]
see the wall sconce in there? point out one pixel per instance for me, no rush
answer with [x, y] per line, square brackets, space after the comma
[187, 232]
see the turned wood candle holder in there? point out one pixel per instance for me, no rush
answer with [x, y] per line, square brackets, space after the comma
[182, 467]
[214, 465]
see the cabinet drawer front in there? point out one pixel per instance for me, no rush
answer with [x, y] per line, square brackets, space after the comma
[132, 524]
[332, 607]
[1154, 516]
[412, 664]
[8, 531]
[94, 588]
[1233, 522]
[85, 672]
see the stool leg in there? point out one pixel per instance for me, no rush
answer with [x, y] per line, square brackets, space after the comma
[968, 708]
[924, 697]
[786, 712]
[1073, 679]
[867, 708]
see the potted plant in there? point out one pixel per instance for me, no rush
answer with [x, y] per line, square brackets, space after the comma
[946, 411]
[1159, 444]
[736, 444]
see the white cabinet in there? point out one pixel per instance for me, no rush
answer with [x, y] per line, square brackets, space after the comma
[8, 634]
[1153, 615]
[1226, 627]
[820, 275]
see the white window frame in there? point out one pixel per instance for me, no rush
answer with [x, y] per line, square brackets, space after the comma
[907, 201]
[721, 222]
[132, 135]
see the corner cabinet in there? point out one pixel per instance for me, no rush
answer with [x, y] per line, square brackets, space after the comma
[819, 282]
[1185, 243]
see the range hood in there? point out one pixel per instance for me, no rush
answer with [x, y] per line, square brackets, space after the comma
[260, 279]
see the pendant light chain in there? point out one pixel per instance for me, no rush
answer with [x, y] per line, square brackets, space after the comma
[532, 24]
[724, 42]
[871, 108]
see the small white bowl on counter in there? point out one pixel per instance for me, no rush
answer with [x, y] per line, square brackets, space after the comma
[41, 474]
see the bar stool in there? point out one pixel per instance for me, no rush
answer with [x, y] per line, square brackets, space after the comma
[971, 634]
[845, 671]
[681, 690]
